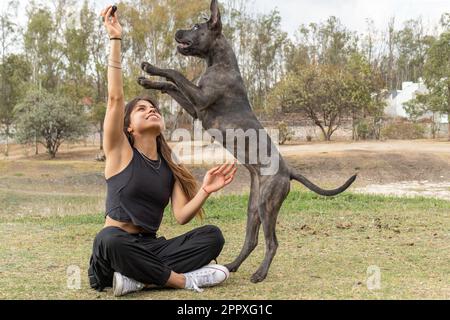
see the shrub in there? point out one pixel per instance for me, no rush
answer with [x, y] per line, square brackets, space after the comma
[362, 130]
[285, 133]
[403, 131]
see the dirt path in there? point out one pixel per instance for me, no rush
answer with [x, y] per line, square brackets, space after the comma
[422, 146]
[392, 167]
[410, 189]
[420, 167]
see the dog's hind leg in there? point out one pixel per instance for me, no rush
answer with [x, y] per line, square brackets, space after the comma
[272, 194]
[253, 225]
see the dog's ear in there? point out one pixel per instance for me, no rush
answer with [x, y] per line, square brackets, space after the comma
[215, 22]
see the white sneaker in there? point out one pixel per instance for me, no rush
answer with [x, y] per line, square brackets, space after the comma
[208, 276]
[123, 285]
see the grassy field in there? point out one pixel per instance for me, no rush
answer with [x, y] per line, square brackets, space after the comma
[51, 211]
[326, 245]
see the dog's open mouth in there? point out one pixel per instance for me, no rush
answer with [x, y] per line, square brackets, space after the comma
[184, 44]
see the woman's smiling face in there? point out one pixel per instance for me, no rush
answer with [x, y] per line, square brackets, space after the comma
[145, 117]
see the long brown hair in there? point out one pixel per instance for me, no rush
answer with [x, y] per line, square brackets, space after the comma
[185, 178]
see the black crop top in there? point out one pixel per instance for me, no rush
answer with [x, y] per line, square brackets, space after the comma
[140, 193]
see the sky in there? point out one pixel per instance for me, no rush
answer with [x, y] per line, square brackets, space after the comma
[352, 13]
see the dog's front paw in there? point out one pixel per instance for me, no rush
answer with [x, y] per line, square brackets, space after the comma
[149, 68]
[146, 83]
[142, 81]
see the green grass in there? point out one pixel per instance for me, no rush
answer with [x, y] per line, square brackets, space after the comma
[325, 248]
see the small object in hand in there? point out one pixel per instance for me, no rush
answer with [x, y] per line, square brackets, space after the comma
[113, 11]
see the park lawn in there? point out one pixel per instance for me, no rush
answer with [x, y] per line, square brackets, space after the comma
[325, 248]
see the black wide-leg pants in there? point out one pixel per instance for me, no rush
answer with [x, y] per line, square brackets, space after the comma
[148, 259]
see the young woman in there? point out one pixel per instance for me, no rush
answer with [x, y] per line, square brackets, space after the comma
[141, 178]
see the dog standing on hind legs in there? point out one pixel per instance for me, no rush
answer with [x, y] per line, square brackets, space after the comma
[220, 101]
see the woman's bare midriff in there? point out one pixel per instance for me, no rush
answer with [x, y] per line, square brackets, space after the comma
[128, 227]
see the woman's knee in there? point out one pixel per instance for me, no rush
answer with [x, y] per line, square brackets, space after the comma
[218, 240]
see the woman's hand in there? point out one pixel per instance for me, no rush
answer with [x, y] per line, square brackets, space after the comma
[111, 23]
[219, 177]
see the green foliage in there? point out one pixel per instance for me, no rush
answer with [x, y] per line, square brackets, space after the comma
[285, 133]
[403, 131]
[65, 52]
[14, 73]
[77, 52]
[437, 73]
[325, 94]
[329, 80]
[435, 102]
[412, 45]
[328, 43]
[49, 119]
[43, 48]
[266, 54]
[363, 130]
[13, 69]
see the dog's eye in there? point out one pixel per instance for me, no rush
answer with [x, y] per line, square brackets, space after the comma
[196, 27]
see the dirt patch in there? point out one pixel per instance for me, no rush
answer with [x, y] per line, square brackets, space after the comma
[383, 164]
[410, 189]
[326, 164]
[373, 167]
[83, 152]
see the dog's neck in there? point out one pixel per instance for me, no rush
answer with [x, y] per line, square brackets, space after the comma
[222, 52]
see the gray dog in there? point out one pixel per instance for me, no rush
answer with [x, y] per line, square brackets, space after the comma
[220, 101]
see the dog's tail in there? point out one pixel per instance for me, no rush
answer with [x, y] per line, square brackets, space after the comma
[327, 193]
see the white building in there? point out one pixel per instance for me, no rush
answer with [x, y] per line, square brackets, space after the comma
[395, 102]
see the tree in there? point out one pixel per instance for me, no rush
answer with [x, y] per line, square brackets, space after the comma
[320, 93]
[43, 48]
[14, 73]
[267, 55]
[12, 70]
[437, 71]
[97, 69]
[422, 104]
[366, 99]
[77, 82]
[329, 79]
[328, 43]
[150, 27]
[8, 29]
[239, 27]
[50, 119]
[412, 45]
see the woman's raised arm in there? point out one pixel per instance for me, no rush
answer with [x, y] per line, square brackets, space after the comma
[113, 125]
